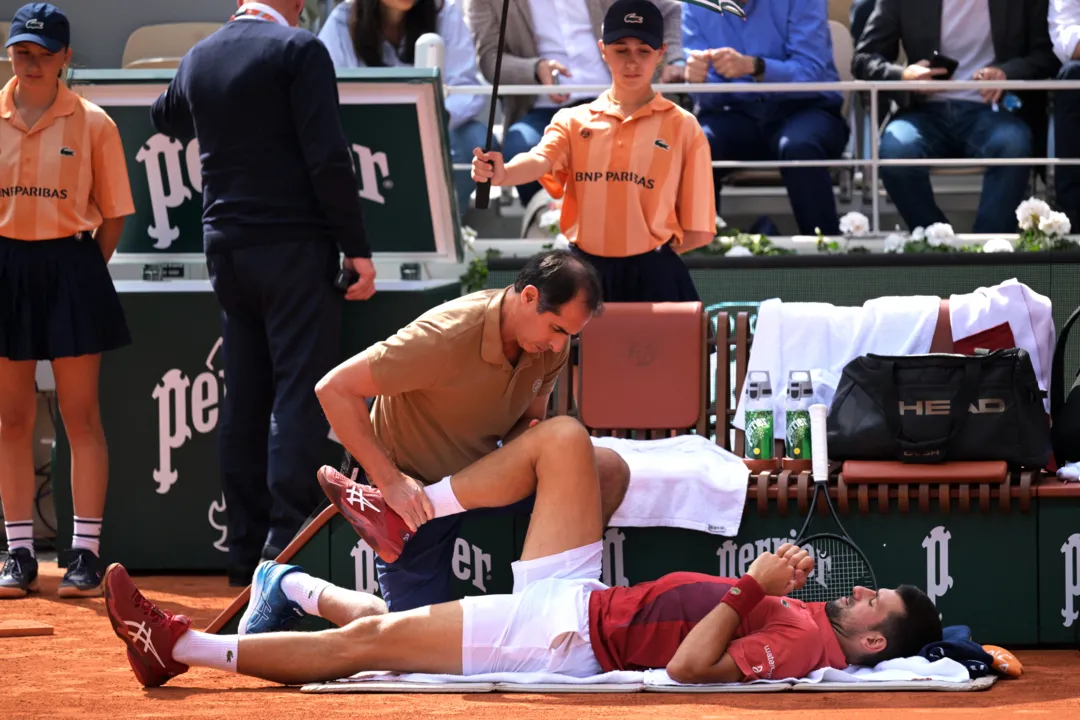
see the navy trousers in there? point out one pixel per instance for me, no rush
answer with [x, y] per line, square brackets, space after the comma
[656, 276]
[281, 331]
[784, 130]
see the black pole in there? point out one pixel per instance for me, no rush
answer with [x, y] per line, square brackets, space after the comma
[483, 189]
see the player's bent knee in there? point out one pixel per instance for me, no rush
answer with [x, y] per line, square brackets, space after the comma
[565, 433]
[614, 473]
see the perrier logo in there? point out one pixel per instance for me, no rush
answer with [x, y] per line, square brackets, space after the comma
[758, 430]
[798, 433]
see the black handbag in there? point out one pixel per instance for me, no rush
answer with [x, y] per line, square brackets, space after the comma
[1065, 411]
[937, 407]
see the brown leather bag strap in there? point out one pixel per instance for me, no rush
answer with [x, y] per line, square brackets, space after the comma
[883, 498]
[1025, 491]
[842, 495]
[903, 499]
[924, 498]
[943, 498]
[1005, 493]
[864, 499]
[803, 493]
[965, 498]
[763, 492]
[782, 492]
[984, 498]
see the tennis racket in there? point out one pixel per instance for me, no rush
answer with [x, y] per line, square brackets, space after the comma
[839, 564]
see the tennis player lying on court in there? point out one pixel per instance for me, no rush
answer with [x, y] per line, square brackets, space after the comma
[560, 618]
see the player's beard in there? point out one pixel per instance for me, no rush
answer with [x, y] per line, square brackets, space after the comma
[838, 616]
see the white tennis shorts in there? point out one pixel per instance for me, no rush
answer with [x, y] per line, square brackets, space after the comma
[543, 626]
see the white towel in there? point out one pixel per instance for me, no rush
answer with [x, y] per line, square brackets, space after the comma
[903, 669]
[821, 338]
[685, 482]
[1028, 314]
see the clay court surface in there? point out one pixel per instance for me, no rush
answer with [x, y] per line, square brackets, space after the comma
[80, 671]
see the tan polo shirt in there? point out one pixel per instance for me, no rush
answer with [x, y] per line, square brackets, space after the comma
[449, 394]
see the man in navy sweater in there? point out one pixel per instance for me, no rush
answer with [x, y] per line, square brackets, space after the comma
[279, 200]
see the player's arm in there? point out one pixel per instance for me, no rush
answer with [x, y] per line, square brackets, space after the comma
[703, 655]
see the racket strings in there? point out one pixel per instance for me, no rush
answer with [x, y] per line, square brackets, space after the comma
[838, 568]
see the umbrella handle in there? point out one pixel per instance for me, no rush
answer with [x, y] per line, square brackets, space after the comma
[483, 189]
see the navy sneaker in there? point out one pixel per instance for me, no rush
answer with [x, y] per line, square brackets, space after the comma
[268, 609]
[85, 572]
[19, 575]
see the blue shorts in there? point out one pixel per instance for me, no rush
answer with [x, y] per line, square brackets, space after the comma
[422, 575]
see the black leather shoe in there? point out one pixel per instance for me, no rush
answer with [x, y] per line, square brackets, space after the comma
[85, 572]
[19, 575]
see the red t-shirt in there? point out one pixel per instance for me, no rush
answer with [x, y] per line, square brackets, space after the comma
[640, 627]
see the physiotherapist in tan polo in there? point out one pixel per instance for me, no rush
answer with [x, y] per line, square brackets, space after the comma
[448, 388]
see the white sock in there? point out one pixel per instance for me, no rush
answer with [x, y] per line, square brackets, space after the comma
[206, 650]
[87, 534]
[304, 590]
[443, 499]
[20, 534]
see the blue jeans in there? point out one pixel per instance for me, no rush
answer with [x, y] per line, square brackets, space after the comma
[523, 136]
[786, 130]
[1067, 143]
[957, 129]
[463, 140]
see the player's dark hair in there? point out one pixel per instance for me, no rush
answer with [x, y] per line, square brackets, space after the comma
[908, 632]
[559, 276]
[366, 29]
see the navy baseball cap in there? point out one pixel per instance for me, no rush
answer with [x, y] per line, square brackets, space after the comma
[43, 24]
[639, 19]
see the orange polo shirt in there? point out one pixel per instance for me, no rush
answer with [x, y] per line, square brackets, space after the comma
[631, 184]
[62, 176]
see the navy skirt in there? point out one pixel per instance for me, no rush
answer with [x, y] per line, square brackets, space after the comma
[57, 300]
[656, 276]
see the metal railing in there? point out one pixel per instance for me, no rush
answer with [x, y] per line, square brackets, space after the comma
[873, 88]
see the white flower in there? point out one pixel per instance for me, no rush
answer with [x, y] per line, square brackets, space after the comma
[720, 224]
[561, 242]
[1056, 223]
[894, 243]
[738, 251]
[549, 219]
[997, 245]
[939, 234]
[918, 233]
[1030, 212]
[469, 235]
[854, 223]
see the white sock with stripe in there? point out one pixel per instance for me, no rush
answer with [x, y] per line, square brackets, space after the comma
[87, 534]
[443, 499]
[20, 534]
[304, 590]
[206, 650]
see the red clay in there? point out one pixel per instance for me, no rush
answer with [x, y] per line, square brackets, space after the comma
[80, 671]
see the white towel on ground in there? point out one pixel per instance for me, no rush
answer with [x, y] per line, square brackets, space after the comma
[821, 339]
[903, 669]
[686, 481]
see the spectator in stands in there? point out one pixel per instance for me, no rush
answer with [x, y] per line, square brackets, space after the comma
[66, 194]
[860, 13]
[280, 202]
[1065, 34]
[780, 41]
[1004, 40]
[633, 166]
[383, 33]
[561, 48]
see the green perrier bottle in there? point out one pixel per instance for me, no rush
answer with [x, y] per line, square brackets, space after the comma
[759, 416]
[797, 415]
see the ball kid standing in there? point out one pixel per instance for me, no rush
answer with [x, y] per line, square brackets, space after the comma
[635, 169]
[64, 193]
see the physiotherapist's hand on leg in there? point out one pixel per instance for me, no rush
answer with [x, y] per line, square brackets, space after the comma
[407, 498]
[364, 287]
